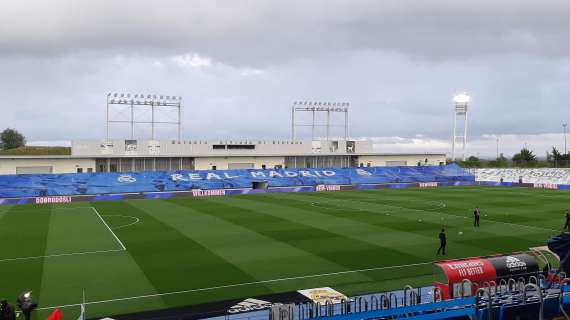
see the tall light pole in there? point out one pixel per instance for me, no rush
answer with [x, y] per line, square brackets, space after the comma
[564, 126]
[498, 147]
[460, 109]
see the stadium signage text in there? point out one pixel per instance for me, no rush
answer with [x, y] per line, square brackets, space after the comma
[327, 187]
[45, 200]
[253, 174]
[428, 184]
[545, 186]
[208, 193]
[467, 268]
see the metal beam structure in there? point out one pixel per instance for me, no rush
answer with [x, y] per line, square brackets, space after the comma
[316, 107]
[156, 103]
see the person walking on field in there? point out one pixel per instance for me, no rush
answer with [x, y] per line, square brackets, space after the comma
[567, 224]
[476, 216]
[442, 242]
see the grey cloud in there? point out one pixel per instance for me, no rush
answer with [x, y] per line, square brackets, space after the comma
[264, 32]
[239, 64]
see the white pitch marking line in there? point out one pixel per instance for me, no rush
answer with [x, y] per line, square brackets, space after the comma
[137, 220]
[60, 255]
[490, 220]
[442, 205]
[317, 205]
[44, 210]
[106, 225]
[241, 284]
[123, 248]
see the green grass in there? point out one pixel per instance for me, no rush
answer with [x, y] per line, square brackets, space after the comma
[37, 151]
[195, 243]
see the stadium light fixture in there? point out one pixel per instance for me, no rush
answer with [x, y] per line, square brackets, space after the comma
[461, 98]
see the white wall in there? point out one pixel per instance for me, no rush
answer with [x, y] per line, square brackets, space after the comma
[411, 160]
[221, 163]
[9, 165]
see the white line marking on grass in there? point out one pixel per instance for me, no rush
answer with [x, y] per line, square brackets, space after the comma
[106, 225]
[45, 210]
[317, 205]
[137, 220]
[60, 255]
[123, 248]
[442, 205]
[240, 285]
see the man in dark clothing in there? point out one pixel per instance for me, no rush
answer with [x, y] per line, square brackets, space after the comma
[7, 311]
[477, 216]
[442, 242]
[567, 225]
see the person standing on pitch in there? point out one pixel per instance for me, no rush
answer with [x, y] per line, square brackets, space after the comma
[442, 242]
[476, 216]
[567, 224]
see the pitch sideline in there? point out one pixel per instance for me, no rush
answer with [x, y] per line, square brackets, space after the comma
[240, 285]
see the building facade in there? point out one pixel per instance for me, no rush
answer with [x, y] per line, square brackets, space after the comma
[159, 155]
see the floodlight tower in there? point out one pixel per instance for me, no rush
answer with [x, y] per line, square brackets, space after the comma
[155, 103]
[460, 102]
[319, 107]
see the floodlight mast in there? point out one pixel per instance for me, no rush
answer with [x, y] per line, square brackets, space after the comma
[315, 107]
[154, 102]
[461, 102]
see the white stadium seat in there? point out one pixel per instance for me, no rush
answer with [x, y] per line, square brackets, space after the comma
[541, 175]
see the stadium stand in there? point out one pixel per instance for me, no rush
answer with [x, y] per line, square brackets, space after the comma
[26, 185]
[542, 175]
[511, 299]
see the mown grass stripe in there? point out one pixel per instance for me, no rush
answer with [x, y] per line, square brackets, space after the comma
[174, 260]
[19, 235]
[258, 255]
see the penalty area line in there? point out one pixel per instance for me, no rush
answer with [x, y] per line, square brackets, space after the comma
[239, 285]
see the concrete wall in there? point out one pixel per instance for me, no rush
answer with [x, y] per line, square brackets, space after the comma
[222, 163]
[410, 160]
[201, 148]
[10, 165]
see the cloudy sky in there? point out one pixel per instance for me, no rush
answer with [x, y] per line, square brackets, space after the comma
[240, 64]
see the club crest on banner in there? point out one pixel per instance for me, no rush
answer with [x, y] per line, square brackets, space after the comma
[126, 178]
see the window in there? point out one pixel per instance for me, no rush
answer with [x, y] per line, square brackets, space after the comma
[263, 167]
[113, 168]
[101, 168]
[214, 167]
[368, 164]
[241, 147]
[90, 170]
[79, 170]
[219, 147]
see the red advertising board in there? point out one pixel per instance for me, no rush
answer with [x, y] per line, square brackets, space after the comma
[480, 271]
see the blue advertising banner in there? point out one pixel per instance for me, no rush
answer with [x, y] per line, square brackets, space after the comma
[12, 186]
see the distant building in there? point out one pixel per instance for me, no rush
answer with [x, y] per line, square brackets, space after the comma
[155, 155]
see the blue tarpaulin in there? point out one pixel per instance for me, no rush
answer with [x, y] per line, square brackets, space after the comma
[101, 183]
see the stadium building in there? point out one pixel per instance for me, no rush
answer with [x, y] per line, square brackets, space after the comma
[168, 155]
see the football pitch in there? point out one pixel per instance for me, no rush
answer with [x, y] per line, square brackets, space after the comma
[137, 255]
